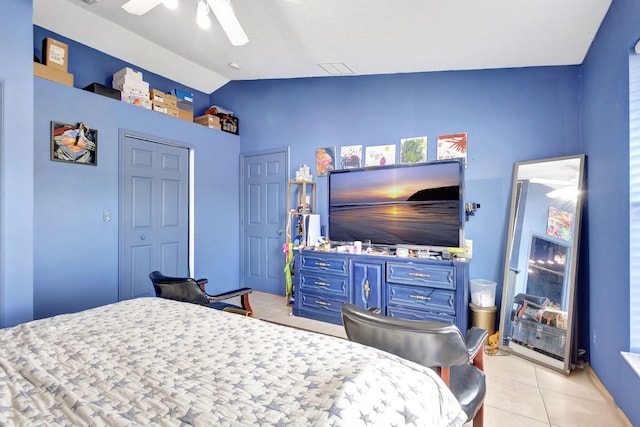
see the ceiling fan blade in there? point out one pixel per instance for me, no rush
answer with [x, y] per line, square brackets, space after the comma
[229, 21]
[140, 7]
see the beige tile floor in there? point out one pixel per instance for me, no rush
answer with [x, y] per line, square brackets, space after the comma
[518, 392]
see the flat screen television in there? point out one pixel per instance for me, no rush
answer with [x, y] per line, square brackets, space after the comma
[418, 206]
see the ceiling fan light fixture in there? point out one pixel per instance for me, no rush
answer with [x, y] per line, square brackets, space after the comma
[229, 21]
[170, 4]
[140, 7]
[550, 182]
[202, 15]
[569, 193]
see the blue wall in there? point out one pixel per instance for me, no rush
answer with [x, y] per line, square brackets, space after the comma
[605, 138]
[16, 164]
[510, 115]
[76, 253]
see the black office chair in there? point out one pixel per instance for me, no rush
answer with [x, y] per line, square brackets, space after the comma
[437, 345]
[193, 291]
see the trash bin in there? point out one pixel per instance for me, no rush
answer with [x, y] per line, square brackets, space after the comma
[483, 292]
[483, 317]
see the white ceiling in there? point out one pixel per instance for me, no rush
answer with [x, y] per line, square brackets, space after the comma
[289, 39]
[554, 172]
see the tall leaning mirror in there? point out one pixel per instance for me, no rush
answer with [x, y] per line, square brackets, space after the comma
[537, 319]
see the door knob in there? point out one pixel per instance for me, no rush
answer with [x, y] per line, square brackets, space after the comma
[143, 237]
[281, 232]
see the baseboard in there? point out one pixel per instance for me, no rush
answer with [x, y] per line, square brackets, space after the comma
[596, 381]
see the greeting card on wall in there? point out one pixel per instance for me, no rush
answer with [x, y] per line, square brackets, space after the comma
[325, 160]
[559, 223]
[413, 150]
[452, 146]
[351, 156]
[380, 155]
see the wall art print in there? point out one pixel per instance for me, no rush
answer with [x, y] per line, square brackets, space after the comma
[559, 223]
[351, 156]
[325, 160]
[74, 143]
[452, 146]
[381, 155]
[413, 150]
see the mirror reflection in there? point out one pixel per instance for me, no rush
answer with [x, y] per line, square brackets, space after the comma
[540, 268]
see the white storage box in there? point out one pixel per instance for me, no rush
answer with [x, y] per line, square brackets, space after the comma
[129, 86]
[483, 292]
[129, 74]
[126, 89]
[137, 100]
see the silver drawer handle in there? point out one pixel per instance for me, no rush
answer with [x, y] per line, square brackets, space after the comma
[322, 284]
[322, 264]
[326, 304]
[420, 297]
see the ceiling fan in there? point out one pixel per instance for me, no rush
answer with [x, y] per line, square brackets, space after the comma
[222, 10]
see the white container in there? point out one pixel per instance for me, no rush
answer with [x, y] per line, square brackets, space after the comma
[129, 73]
[483, 292]
[402, 252]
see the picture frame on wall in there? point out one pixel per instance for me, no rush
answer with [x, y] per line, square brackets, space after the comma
[452, 146]
[74, 143]
[559, 223]
[325, 160]
[351, 156]
[413, 150]
[380, 155]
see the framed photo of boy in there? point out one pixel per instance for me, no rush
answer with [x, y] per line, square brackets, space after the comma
[74, 143]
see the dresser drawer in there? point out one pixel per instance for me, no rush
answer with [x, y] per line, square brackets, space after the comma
[418, 315]
[338, 265]
[321, 307]
[420, 274]
[422, 298]
[323, 283]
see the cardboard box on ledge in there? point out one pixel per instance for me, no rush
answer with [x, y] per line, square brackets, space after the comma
[185, 115]
[209, 120]
[164, 99]
[221, 122]
[173, 111]
[55, 54]
[52, 74]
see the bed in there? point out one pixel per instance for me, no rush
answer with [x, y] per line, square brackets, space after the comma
[153, 361]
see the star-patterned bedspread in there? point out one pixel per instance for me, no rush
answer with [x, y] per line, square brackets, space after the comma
[152, 361]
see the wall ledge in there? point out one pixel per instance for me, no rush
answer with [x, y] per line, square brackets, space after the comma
[633, 359]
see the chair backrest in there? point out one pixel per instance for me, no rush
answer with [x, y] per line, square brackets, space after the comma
[429, 343]
[178, 288]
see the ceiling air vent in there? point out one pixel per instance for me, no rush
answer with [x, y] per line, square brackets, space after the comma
[336, 68]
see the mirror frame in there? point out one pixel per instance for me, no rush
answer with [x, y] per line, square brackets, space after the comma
[508, 292]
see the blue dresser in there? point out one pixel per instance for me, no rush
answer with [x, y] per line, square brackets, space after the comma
[409, 288]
